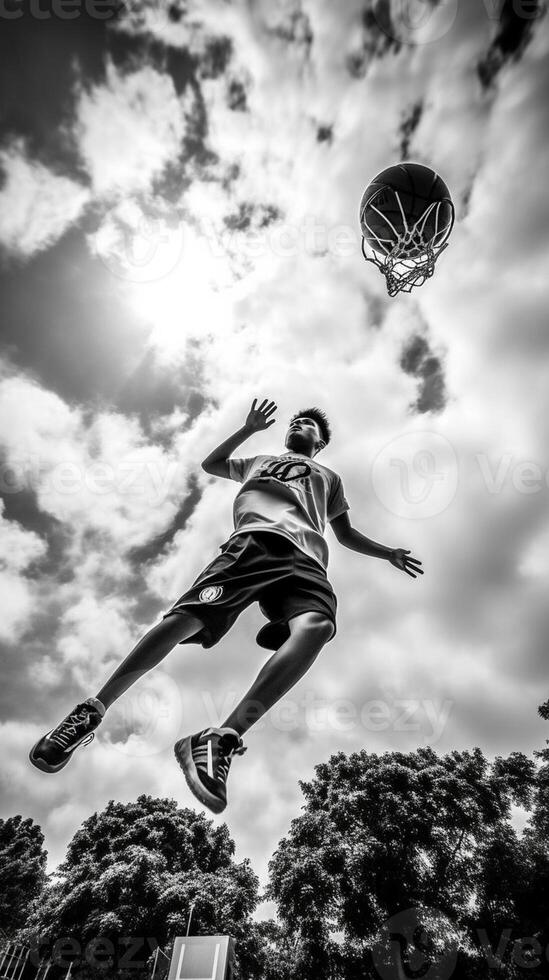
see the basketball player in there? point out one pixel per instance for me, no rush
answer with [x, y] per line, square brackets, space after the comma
[276, 555]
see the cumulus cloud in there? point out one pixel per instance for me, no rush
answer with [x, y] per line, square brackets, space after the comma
[112, 490]
[128, 129]
[99, 476]
[37, 206]
[18, 549]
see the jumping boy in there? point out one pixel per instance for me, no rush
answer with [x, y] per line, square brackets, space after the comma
[277, 555]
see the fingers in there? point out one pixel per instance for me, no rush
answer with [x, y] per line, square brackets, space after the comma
[267, 407]
[415, 568]
[415, 561]
[409, 565]
[254, 403]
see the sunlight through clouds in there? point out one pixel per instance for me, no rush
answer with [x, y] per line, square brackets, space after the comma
[225, 154]
[186, 303]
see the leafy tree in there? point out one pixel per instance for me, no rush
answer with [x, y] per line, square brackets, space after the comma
[381, 835]
[532, 897]
[133, 871]
[279, 950]
[22, 870]
[543, 710]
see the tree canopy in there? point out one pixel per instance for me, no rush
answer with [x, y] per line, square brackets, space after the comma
[133, 871]
[414, 840]
[399, 865]
[22, 870]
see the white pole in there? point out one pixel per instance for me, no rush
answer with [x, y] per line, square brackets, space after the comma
[190, 917]
[155, 962]
[157, 951]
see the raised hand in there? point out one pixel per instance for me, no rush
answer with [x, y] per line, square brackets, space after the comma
[399, 558]
[258, 418]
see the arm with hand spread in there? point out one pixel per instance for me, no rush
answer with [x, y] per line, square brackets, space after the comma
[258, 419]
[348, 536]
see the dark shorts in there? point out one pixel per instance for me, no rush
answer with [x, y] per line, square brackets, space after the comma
[262, 567]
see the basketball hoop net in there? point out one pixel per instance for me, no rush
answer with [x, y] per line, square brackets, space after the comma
[410, 260]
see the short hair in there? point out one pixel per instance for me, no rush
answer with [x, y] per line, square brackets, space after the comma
[320, 418]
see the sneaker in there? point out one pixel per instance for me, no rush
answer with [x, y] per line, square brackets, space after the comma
[54, 750]
[205, 759]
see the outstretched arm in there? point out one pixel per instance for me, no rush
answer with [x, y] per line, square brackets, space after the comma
[258, 419]
[353, 539]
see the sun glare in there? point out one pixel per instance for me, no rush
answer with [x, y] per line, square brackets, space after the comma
[190, 299]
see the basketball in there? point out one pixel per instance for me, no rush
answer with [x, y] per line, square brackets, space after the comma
[394, 204]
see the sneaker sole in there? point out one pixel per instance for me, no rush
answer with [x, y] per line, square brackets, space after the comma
[184, 756]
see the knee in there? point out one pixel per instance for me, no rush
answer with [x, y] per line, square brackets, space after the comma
[315, 624]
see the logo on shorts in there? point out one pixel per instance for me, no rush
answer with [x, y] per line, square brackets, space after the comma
[211, 593]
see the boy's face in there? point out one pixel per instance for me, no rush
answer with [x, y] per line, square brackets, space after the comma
[304, 436]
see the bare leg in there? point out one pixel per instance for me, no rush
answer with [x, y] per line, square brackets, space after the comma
[148, 652]
[308, 634]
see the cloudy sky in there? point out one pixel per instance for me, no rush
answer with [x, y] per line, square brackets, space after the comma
[178, 235]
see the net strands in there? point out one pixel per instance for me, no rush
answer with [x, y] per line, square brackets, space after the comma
[408, 257]
[16, 963]
[13, 962]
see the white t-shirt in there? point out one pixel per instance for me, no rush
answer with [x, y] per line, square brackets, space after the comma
[289, 494]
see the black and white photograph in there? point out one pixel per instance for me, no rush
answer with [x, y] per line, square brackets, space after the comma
[274, 488]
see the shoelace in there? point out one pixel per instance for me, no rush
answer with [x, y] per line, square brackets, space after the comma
[226, 757]
[62, 734]
[224, 761]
